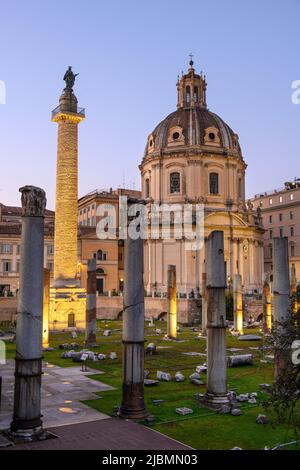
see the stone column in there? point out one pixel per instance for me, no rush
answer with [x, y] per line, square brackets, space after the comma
[172, 303]
[27, 423]
[204, 303]
[216, 314]
[46, 306]
[67, 299]
[241, 258]
[91, 285]
[294, 289]
[238, 304]
[267, 307]
[281, 301]
[262, 266]
[251, 262]
[133, 406]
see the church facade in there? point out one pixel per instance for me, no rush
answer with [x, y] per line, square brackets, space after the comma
[194, 157]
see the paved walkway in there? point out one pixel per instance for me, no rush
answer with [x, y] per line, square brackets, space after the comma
[76, 425]
[107, 434]
[62, 391]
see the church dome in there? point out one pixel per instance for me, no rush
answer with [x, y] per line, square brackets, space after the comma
[192, 125]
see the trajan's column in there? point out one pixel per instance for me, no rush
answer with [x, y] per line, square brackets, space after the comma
[67, 298]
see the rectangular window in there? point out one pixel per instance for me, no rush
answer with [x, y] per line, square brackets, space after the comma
[280, 217]
[71, 320]
[291, 197]
[280, 198]
[175, 182]
[93, 221]
[6, 267]
[6, 248]
[281, 232]
[214, 183]
[270, 219]
[291, 215]
[292, 250]
[292, 231]
[270, 201]
[271, 233]
[50, 267]
[18, 266]
[271, 251]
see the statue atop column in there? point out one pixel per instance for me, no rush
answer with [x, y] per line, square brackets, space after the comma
[69, 78]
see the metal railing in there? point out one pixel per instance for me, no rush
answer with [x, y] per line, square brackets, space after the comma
[288, 186]
[60, 109]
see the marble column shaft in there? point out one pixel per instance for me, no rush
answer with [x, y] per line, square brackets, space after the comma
[91, 299]
[172, 303]
[46, 307]
[216, 315]
[133, 405]
[281, 301]
[238, 303]
[27, 421]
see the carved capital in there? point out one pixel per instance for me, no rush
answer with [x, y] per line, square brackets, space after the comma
[33, 201]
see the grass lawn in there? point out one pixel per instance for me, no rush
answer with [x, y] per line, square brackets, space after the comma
[204, 429]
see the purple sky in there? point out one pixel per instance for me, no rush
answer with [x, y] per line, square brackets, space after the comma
[128, 54]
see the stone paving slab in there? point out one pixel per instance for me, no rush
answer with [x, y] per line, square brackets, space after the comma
[61, 395]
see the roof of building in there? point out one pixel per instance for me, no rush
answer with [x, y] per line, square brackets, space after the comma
[9, 228]
[108, 194]
[17, 211]
[193, 121]
[84, 230]
[192, 124]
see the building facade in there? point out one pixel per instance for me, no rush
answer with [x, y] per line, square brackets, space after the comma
[10, 245]
[280, 210]
[109, 253]
[194, 157]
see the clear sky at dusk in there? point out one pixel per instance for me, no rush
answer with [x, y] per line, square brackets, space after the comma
[128, 54]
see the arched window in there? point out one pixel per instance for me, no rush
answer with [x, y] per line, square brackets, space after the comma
[147, 188]
[100, 282]
[188, 94]
[175, 182]
[196, 94]
[214, 183]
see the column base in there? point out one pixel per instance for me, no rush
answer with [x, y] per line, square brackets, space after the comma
[27, 421]
[133, 406]
[214, 402]
[26, 435]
